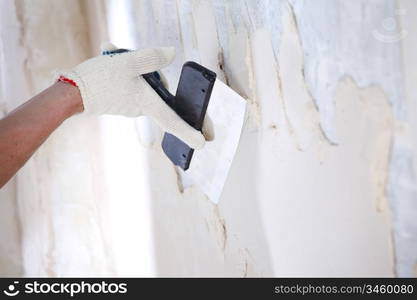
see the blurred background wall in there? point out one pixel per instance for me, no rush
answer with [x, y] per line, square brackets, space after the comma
[323, 183]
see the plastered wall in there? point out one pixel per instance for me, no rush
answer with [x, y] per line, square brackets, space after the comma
[323, 183]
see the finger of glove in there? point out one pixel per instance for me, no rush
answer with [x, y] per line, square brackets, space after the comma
[170, 122]
[150, 60]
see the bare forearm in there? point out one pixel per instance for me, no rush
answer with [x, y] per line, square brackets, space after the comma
[27, 127]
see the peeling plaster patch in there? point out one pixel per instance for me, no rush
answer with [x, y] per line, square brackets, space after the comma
[180, 38]
[301, 112]
[339, 190]
[338, 44]
[20, 15]
[241, 259]
[407, 14]
[372, 108]
[179, 180]
[33, 22]
[218, 225]
[206, 35]
[239, 22]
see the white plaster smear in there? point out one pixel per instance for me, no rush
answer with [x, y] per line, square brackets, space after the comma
[323, 208]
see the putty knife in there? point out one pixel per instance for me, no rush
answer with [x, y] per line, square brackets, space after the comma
[198, 93]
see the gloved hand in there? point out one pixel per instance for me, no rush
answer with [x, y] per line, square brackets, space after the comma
[112, 85]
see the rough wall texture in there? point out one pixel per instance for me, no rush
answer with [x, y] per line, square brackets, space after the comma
[402, 188]
[323, 183]
[296, 202]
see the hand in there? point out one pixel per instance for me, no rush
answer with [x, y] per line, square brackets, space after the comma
[112, 84]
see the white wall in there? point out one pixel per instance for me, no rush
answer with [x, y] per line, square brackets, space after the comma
[323, 178]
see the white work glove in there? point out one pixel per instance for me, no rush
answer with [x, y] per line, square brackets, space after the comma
[110, 84]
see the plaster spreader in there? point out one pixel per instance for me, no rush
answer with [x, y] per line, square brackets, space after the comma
[198, 93]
